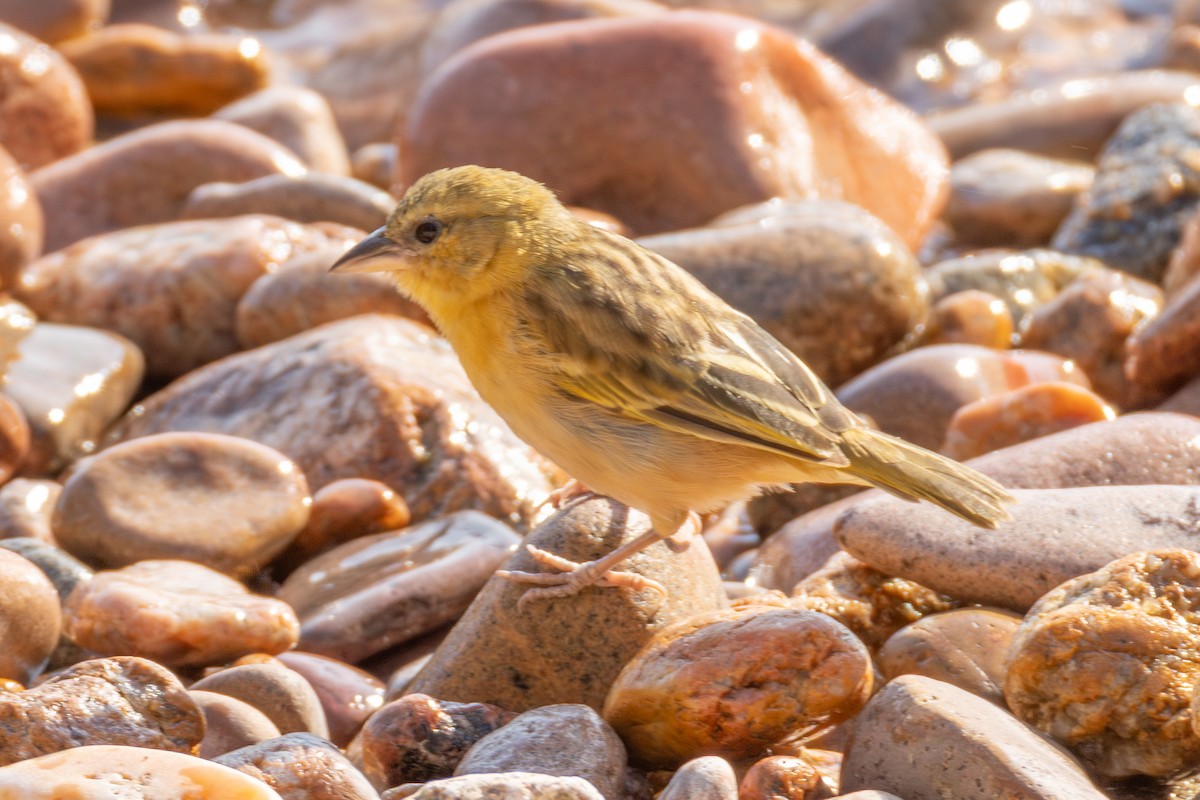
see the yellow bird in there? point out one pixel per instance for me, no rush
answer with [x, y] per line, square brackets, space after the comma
[626, 371]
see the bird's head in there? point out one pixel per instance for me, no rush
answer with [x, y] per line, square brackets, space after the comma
[460, 233]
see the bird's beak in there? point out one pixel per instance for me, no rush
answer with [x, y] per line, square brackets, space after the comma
[376, 253]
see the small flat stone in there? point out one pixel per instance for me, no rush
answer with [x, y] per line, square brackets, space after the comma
[1023, 279]
[348, 695]
[30, 620]
[177, 613]
[1055, 535]
[71, 383]
[119, 701]
[63, 570]
[563, 740]
[382, 590]
[223, 501]
[1160, 356]
[283, 695]
[298, 118]
[967, 747]
[343, 511]
[703, 778]
[313, 197]
[782, 778]
[230, 723]
[570, 649]
[21, 230]
[116, 771]
[970, 317]
[301, 766]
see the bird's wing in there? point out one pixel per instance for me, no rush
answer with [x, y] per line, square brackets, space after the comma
[724, 379]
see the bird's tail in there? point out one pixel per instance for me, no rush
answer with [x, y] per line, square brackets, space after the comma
[914, 473]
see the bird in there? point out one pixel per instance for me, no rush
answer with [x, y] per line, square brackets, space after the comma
[627, 372]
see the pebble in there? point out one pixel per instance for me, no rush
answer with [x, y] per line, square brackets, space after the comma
[831, 282]
[45, 114]
[173, 288]
[348, 695]
[966, 647]
[133, 69]
[299, 119]
[375, 163]
[633, 165]
[301, 766]
[1184, 263]
[230, 723]
[312, 197]
[283, 695]
[1089, 322]
[30, 620]
[55, 20]
[870, 603]
[178, 613]
[71, 383]
[509, 785]
[105, 701]
[1054, 535]
[342, 511]
[561, 739]
[84, 194]
[382, 590]
[915, 395]
[735, 683]
[969, 317]
[923, 739]
[570, 649]
[703, 778]
[63, 570]
[15, 438]
[415, 738]
[226, 502]
[16, 323]
[370, 397]
[1072, 118]
[1161, 355]
[21, 223]
[1147, 186]
[301, 294]
[782, 778]
[133, 772]
[1020, 415]
[1107, 664]
[1012, 198]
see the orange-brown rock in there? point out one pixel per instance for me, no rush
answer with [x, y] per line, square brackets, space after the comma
[1107, 664]
[30, 619]
[802, 128]
[970, 317]
[735, 683]
[301, 766]
[1162, 355]
[21, 230]
[55, 20]
[135, 69]
[44, 109]
[782, 778]
[1016, 416]
[344, 510]
[299, 119]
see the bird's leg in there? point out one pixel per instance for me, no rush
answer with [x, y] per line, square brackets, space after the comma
[563, 494]
[575, 576]
[691, 526]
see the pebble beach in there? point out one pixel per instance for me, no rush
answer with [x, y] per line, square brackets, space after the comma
[251, 512]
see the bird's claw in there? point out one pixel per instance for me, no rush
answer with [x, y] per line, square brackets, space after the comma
[572, 577]
[558, 498]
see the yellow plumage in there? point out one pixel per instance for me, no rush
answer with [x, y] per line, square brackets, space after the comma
[625, 370]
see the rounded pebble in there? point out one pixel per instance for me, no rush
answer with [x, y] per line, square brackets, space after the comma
[21, 222]
[30, 620]
[301, 766]
[348, 695]
[230, 723]
[298, 118]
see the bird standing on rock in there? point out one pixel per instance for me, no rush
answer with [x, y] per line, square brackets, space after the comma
[626, 371]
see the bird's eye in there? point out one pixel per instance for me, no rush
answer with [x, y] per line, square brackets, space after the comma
[427, 231]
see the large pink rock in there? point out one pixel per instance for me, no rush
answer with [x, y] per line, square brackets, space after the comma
[668, 120]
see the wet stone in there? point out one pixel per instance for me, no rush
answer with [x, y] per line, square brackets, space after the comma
[299, 119]
[172, 288]
[21, 226]
[230, 723]
[834, 284]
[30, 619]
[736, 683]
[1055, 535]
[178, 613]
[1147, 186]
[416, 738]
[1161, 355]
[70, 383]
[229, 503]
[391, 396]
[1012, 198]
[313, 197]
[301, 766]
[84, 194]
[45, 113]
[969, 317]
[15, 438]
[968, 746]
[378, 591]
[113, 771]
[570, 649]
[301, 294]
[342, 511]
[1107, 664]
[782, 778]
[348, 695]
[966, 647]
[116, 701]
[283, 695]
[135, 69]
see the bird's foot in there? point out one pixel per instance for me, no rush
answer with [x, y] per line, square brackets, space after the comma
[572, 577]
[692, 526]
[570, 490]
